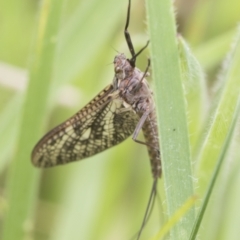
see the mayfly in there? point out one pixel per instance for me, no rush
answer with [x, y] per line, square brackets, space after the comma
[122, 109]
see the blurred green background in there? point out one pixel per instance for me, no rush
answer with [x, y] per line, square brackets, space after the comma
[103, 197]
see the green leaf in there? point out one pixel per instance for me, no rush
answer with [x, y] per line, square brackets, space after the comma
[9, 126]
[216, 173]
[174, 142]
[195, 91]
[222, 117]
[23, 178]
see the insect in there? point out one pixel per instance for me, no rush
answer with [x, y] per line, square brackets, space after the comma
[122, 109]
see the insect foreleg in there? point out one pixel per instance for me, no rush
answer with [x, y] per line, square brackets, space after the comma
[145, 74]
[128, 37]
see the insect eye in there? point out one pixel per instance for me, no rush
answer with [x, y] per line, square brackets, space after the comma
[118, 70]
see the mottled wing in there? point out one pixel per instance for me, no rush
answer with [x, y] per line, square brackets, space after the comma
[101, 124]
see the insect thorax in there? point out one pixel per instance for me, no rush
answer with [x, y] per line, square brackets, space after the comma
[133, 88]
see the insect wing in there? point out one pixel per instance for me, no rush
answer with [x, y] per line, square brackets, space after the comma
[101, 124]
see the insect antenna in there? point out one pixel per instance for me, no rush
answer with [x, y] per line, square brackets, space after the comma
[114, 49]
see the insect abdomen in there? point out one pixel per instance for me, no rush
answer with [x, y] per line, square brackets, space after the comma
[150, 132]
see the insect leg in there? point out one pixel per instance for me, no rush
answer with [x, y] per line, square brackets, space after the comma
[128, 37]
[138, 86]
[140, 51]
[139, 127]
[129, 40]
[146, 71]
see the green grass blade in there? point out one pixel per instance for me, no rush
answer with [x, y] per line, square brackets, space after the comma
[215, 174]
[171, 111]
[9, 126]
[222, 117]
[23, 178]
[211, 52]
[76, 47]
[175, 218]
[195, 89]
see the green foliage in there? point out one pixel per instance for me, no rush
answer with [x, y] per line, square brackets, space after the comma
[171, 114]
[66, 52]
